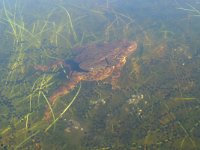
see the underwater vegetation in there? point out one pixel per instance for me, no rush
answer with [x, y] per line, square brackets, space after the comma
[32, 41]
[156, 105]
[23, 90]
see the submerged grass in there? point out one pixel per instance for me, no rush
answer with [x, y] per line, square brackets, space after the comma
[27, 40]
[23, 38]
[26, 140]
[191, 10]
[184, 98]
[70, 24]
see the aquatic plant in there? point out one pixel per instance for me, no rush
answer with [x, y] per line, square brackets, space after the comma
[26, 95]
[120, 20]
[29, 43]
[193, 12]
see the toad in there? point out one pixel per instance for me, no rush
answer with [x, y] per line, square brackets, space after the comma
[92, 62]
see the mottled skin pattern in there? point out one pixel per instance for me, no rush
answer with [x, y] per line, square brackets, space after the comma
[101, 61]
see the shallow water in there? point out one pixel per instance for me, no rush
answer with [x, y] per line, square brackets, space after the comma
[156, 104]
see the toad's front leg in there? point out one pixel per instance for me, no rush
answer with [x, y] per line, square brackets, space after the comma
[54, 65]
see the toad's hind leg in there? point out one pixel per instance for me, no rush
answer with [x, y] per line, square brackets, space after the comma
[62, 91]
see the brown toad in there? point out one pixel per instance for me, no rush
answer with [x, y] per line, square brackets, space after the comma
[93, 62]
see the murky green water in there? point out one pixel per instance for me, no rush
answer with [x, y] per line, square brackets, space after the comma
[156, 104]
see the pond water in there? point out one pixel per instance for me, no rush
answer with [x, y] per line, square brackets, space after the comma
[71, 76]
